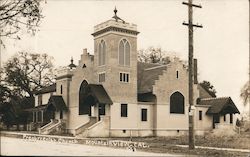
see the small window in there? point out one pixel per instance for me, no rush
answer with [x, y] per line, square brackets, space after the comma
[61, 89]
[177, 74]
[40, 99]
[124, 110]
[200, 115]
[124, 77]
[224, 117]
[102, 77]
[144, 114]
[231, 118]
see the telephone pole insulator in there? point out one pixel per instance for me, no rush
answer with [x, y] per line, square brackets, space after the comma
[190, 69]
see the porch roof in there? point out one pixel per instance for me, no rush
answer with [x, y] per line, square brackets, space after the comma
[100, 94]
[58, 102]
[221, 105]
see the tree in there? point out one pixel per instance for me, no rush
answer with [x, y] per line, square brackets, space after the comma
[14, 14]
[209, 88]
[244, 94]
[153, 55]
[28, 72]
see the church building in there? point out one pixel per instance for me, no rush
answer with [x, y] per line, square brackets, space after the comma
[111, 94]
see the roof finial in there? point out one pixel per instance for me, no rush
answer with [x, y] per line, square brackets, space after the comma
[115, 11]
[71, 60]
[116, 17]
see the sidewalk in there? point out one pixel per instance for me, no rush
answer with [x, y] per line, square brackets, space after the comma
[216, 148]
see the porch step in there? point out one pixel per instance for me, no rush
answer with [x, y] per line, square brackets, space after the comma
[51, 127]
[81, 129]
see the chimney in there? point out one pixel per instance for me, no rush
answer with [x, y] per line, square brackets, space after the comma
[195, 72]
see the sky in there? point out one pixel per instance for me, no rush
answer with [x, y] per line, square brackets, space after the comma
[221, 46]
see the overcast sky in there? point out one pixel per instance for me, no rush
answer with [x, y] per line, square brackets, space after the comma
[221, 47]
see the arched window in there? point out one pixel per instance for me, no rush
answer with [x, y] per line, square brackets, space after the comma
[124, 52]
[102, 53]
[177, 103]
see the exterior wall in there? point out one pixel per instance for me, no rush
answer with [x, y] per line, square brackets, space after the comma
[206, 123]
[121, 123]
[127, 91]
[79, 75]
[167, 84]
[45, 98]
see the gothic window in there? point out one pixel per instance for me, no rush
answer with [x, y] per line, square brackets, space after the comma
[102, 53]
[124, 52]
[177, 103]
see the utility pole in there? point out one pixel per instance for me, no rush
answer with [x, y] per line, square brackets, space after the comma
[248, 90]
[190, 69]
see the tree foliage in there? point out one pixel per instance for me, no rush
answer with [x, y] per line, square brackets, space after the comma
[27, 72]
[17, 14]
[245, 94]
[153, 55]
[209, 88]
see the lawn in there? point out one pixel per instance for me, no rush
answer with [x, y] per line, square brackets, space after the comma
[167, 144]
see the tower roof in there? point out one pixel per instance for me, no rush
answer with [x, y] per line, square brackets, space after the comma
[116, 24]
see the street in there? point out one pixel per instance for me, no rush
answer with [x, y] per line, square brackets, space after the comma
[22, 147]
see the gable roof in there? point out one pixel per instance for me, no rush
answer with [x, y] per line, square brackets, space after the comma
[147, 73]
[221, 105]
[98, 91]
[48, 89]
[58, 102]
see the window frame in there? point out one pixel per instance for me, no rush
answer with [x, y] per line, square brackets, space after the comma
[173, 109]
[200, 115]
[61, 89]
[124, 62]
[124, 110]
[102, 53]
[104, 74]
[144, 114]
[124, 77]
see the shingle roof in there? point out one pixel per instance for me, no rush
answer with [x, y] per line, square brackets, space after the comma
[48, 89]
[221, 105]
[58, 102]
[147, 73]
[100, 94]
[146, 97]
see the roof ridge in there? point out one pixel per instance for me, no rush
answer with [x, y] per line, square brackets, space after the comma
[156, 67]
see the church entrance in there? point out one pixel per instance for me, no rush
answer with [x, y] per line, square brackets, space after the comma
[93, 99]
[101, 111]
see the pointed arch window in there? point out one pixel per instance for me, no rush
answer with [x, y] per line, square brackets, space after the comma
[124, 52]
[177, 103]
[102, 53]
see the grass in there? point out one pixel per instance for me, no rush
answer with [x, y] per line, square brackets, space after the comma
[167, 144]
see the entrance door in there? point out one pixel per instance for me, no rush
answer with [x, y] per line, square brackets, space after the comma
[101, 110]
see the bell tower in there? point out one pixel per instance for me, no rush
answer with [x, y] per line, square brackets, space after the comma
[115, 49]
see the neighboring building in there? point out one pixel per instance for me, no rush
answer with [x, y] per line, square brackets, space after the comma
[111, 94]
